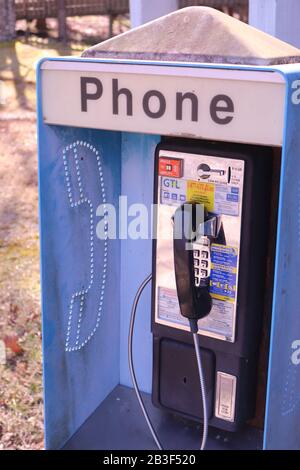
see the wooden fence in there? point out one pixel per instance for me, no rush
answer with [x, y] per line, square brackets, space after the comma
[61, 9]
[40, 9]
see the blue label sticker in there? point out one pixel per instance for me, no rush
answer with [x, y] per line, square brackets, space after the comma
[235, 190]
[223, 277]
[232, 197]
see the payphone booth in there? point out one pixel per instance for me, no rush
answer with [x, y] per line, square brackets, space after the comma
[193, 109]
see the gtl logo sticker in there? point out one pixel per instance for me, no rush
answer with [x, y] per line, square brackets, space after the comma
[169, 183]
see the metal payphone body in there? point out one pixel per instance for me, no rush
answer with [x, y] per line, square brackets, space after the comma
[233, 183]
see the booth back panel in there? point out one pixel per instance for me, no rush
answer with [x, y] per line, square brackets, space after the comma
[79, 174]
[136, 254]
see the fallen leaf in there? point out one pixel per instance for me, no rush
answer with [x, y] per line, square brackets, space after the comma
[2, 353]
[11, 342]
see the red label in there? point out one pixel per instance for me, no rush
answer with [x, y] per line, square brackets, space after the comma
[170, 167]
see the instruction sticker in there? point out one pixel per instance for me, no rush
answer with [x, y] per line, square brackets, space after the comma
[227, 200]
[203, 193]
[223, 277]
[220, 320]
[217, 198]
[168, 306]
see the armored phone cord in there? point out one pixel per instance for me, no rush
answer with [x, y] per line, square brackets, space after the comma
[130, 359]
[194, 329]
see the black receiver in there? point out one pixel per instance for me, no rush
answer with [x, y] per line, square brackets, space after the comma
[195, 301]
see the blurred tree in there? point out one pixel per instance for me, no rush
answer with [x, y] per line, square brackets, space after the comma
[7, 20]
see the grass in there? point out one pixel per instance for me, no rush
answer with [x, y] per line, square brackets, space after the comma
[18, 61]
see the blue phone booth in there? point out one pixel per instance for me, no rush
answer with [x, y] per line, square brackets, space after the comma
[193, 75]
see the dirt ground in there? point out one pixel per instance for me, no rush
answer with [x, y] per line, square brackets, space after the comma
[21, 397]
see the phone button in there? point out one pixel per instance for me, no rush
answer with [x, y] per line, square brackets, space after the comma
[204, 254]
[204, 264]
[196, 262]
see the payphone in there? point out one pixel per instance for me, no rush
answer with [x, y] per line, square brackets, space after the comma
[180, 82]
[227, 257]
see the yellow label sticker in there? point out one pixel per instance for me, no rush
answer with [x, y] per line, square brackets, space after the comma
[224, 298]
[204, 193]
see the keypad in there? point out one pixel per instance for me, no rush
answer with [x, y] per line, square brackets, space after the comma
[201, 264]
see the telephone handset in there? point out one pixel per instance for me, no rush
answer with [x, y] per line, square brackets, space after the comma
[192, 281]
[192, 258]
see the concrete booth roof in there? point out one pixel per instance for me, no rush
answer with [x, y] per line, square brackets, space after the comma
[197, 34]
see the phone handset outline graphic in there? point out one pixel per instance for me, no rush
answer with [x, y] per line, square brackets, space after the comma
[83, 174]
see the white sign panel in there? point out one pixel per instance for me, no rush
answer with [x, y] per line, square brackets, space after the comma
[218, 104]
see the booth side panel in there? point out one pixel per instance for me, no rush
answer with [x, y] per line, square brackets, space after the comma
[79, 169]
[282, 430]
[136, 254]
